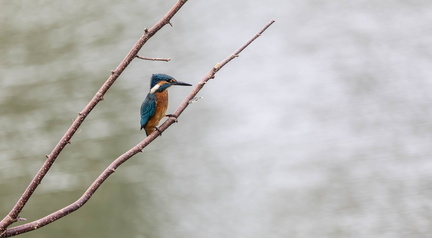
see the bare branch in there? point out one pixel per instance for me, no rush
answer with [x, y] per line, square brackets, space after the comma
[127, 155]
[13, 214]
[153, 59]
[218, 66]
[210, 75]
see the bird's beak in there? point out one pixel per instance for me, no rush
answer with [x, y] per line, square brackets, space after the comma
[180, 83]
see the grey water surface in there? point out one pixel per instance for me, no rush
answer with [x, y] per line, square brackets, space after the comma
[321, 128]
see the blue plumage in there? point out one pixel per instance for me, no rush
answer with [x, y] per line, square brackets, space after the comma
[148, 108]
[156, 78]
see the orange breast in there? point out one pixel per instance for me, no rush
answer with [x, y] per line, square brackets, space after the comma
[161, 108]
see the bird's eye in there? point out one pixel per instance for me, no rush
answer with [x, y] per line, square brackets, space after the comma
[171, 80]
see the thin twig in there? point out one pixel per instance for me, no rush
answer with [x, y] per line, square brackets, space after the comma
[13, 214]
[210, 75]
[153, 59]
[127, 155]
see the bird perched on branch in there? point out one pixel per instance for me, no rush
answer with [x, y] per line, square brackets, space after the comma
[154, 107]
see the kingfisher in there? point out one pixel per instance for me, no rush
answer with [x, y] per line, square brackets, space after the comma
[154, 107]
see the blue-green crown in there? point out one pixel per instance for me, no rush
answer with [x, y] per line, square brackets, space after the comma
[159, 77]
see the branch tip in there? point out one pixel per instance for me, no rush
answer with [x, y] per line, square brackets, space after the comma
[153, 59]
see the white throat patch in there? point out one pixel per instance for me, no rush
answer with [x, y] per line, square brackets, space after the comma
[155, 88]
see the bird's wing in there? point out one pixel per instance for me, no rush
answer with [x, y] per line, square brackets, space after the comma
[148, 108]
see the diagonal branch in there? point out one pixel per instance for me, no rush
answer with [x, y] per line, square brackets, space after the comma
[148, 33]
[128, 154]
[211, 75]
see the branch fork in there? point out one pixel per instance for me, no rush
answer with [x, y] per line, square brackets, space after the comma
[13, 215]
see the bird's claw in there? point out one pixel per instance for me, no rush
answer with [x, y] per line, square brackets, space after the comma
[160, 132]
[172, 115]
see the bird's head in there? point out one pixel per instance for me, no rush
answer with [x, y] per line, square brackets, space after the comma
[160, 82]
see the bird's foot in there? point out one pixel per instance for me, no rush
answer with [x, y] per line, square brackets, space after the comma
[160, 132]
[172, 115]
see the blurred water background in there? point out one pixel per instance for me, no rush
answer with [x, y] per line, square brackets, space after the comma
[321, 128]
